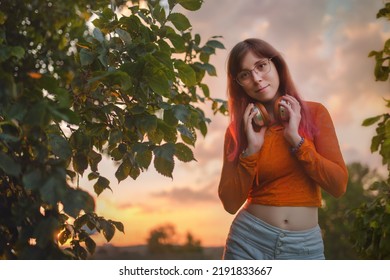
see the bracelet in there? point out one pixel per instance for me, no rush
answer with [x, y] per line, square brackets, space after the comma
[295, 149]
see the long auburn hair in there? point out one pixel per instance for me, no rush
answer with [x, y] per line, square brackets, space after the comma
[238, 99]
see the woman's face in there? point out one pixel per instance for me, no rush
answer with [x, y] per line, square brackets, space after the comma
[260, 86]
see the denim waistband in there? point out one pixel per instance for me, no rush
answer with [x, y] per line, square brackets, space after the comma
[252, 238]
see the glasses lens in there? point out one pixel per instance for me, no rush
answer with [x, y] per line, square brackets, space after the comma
[243, 77]
[261, 67]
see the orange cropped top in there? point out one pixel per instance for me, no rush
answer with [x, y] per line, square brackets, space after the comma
[274, 176]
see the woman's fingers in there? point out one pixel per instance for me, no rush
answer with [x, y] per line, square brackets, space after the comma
[248, 115]
[291, 104]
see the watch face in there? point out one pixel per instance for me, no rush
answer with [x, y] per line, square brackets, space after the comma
[258, 119]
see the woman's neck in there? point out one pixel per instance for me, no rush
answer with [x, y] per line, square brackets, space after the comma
[270, 105]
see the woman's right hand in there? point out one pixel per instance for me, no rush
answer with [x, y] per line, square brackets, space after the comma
[255, 138]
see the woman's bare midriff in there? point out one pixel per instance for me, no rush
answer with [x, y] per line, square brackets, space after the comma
[285, 217]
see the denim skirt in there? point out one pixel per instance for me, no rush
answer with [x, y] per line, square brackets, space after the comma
[250, 238]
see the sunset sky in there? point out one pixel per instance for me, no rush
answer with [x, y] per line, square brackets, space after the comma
[325, 43]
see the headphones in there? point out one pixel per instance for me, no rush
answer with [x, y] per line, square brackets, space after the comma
[262, 117]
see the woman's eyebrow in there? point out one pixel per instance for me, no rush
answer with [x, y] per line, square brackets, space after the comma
[257, 62]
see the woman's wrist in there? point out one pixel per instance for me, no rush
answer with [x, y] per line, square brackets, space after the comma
[294, 139]
[295, 148]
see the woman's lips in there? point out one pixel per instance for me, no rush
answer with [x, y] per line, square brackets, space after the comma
[262, 88]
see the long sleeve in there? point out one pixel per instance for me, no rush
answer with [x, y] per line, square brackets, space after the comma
[322, 160]
[236, 178]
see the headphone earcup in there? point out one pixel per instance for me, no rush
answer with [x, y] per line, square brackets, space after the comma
[281, 113]
[261, 118]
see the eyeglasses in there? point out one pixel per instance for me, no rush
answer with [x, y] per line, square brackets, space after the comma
[261, 67]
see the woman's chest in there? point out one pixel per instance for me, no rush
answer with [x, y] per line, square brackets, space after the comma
[275, 157]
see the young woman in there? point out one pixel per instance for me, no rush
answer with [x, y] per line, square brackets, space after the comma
[279, 153]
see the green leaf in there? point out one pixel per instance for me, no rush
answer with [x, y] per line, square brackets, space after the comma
[144, 158]
[157, 80]
[86, 57]
[93, 176]
[156, 136]
[204, 57]
[210, 69]
[206, 90]
[159, 13]
[180, 21]
[170, 134]
[80, 163]
[64, 114]
[108, 229]
[123, 171]
[93, 159]
[81, 221]
[119, 226]
[375, 142]
[54, 188]
[163, 159]
[103, 57]
[9, 165]
[147, 123]
[370, 121]
[80, 141]
[37, 115]
[188, 135]
[177, 41]
[91, 245]
[76, 200]
[122, 148]
[203, 128]
[17, 52]
[182, 113]
[373, 53]
[215, 44]
[115, 136]
[33, 179]
[169, 117]
[166, 62]
[191, 5]
[98, 35]
[59, 146]
[134, 172]
[124, 35]
[186, 73]
[64, 236]
[164, 47]
[101, 184]
[3, 18]
[164, 167]
[62, 97]
[183, 152]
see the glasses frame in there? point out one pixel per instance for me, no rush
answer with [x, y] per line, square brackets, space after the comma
[268, 60]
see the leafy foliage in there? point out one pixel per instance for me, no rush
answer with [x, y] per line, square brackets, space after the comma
[162, 241]
[334, 217]
[124, 83]
[382, 67]
[371, 234]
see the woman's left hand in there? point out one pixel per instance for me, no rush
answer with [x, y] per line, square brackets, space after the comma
[292, 125]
